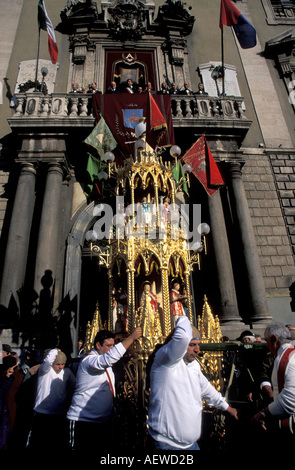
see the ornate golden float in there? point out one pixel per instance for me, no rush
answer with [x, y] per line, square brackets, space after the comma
[146, 251]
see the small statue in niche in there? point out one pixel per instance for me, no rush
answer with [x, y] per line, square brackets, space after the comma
[166, 211]
[114, 308]
[121, 325]
[146, 211]
[148, 313]
[176, 302]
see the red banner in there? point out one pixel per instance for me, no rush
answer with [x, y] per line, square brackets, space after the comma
[122, 113]
[204, 166]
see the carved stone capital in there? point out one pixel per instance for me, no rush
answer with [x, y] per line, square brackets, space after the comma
[235, 169]
[80, 45]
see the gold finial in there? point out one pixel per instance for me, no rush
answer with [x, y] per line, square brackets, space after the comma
[208, 325]
[92, 329]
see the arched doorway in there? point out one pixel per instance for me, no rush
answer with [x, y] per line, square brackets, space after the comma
[86, 282]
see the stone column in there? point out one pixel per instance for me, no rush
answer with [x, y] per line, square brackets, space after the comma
[239, 204]
[228, 299]
[49, 231]
[19, 235]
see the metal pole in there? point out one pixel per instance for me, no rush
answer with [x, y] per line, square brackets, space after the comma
[222, 63]
[37, 60]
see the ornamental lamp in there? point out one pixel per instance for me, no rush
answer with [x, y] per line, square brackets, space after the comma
[91, 236]
[203, 229]
[187, 168]
[102, 176]
[175, 151]
[109, 157]
[140, 129]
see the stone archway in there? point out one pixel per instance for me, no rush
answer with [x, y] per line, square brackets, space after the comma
[73, 267]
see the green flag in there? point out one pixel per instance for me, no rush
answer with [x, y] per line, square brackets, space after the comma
[101, 138]
[178, 174]
[94, 167]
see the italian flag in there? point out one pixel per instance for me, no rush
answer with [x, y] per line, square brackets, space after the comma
[45, 24]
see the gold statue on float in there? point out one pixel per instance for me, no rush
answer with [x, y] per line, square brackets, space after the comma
[148, 318]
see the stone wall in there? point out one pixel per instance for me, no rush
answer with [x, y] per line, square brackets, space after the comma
[283, 165]
[268, 181]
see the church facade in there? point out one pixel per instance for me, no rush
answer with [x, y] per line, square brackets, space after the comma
[51, 281]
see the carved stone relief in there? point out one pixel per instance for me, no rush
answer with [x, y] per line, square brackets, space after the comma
[27, 70]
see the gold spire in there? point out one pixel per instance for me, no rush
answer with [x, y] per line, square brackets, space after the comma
[92, 329]
[208, 325]
[210, 361]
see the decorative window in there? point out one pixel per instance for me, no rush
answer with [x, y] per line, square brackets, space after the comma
[279, 11]
[137, 65]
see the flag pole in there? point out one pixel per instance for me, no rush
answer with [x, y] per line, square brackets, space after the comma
[37, 60]
[222, 62]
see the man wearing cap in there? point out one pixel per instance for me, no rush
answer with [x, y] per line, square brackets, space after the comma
[246, 337]
[55, 388]
[177, 387]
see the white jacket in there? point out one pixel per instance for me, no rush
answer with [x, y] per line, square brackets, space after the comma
[93, 398]
[54, 391]
[177, 389]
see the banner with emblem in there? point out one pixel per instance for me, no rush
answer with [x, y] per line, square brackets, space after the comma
[101, 138]
[122, 113]
[131, 117]
[204, 167]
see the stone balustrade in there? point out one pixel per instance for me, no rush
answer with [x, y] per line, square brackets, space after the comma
[185, 109]
[203, 106]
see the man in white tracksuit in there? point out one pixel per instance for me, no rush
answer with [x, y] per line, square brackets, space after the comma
[177, 388]
[90, 413]
[55, 388]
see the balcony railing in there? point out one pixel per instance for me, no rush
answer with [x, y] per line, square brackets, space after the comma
[207, 107]
[62, 107]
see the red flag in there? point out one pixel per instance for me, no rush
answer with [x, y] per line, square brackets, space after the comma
[229, 14]
[156, 124]
[157, 120]
[204, 167]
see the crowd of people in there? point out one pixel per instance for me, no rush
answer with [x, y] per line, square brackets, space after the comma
[58, 402]
[130, 87]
